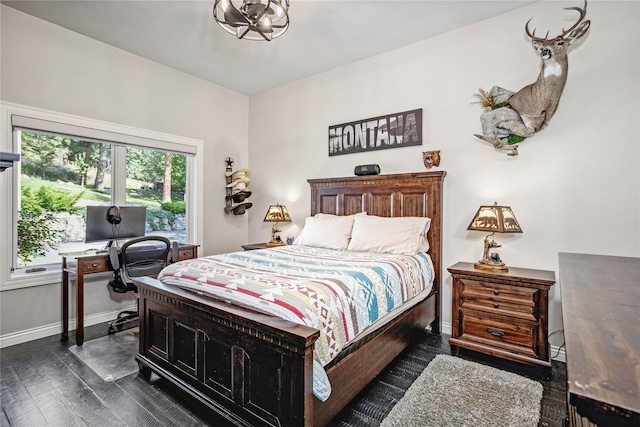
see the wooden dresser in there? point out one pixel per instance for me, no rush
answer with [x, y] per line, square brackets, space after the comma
[503, 314]
[601, 316]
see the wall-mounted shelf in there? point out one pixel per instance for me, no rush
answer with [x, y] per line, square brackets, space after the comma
[237, 189]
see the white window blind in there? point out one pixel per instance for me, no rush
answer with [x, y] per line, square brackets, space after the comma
[99, 135]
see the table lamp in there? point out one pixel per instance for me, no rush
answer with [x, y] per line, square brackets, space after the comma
[496, 219]
[276, 213]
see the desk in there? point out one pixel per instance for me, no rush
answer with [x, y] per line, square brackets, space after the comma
[90, 262]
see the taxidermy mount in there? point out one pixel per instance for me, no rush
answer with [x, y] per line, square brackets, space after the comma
[510, 118]
[431, 158]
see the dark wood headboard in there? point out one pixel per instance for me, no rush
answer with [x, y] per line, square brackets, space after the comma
[407, 194]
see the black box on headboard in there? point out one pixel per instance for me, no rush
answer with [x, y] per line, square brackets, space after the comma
[367, 170]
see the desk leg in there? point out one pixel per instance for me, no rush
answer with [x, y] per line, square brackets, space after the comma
[80, 307]
[65, 300]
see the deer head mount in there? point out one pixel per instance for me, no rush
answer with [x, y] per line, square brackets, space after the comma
[509, 117]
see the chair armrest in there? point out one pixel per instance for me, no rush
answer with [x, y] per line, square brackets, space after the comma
[114, 258]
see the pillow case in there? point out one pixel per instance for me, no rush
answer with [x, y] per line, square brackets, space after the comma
[400, 235]
[326, 231]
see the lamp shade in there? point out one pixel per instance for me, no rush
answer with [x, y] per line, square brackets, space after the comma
[277, 213]
[496, 219]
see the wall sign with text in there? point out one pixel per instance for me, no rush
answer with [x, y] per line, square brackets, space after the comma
[377, 133]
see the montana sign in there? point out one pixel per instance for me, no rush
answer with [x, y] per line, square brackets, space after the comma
[377, 133]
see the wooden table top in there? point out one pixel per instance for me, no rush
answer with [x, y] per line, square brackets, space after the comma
[531, 276]
[601, 312]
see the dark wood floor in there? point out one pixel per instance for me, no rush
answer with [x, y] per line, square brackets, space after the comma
[44, 384]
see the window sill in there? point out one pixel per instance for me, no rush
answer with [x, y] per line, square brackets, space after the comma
[21, 279]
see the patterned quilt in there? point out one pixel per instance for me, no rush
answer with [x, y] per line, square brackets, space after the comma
[340, 293]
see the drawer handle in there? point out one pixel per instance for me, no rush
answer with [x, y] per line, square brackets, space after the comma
[496, 332]
[94, 265]
[496, 292]
[496, 305]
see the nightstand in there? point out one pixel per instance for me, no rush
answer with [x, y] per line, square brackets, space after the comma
[254, 246]
[503, 314]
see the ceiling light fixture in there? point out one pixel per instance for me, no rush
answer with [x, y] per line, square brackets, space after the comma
[253, 19]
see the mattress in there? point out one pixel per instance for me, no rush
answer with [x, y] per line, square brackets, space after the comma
[343, 294]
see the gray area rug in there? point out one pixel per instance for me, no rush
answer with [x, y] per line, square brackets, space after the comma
[456, 392]
[111, 357]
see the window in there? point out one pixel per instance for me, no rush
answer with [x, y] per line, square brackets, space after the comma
[66, 166]
[60, 176]
[56, 179]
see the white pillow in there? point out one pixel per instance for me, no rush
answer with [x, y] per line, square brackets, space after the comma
[401, 235]
[330, 231]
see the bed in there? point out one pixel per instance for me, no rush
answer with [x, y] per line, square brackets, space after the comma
[253, 368]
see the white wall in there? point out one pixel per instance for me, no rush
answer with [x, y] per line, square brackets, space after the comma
[46, 66]
[575, 187]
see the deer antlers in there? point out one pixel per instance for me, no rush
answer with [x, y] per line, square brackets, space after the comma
[581, 10]
[516, 116]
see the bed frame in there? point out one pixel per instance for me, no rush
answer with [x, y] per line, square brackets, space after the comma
[252, 369]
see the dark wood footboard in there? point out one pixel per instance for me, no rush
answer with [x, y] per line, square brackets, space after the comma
[253, 369]
[250, 368]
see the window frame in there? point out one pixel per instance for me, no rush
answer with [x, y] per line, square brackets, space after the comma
[143, 138]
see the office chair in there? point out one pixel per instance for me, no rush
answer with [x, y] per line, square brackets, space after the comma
[142, 256]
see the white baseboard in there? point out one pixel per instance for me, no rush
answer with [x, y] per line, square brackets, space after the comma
[446, 328]
[20, 337]
[56, 328]
[558, 354]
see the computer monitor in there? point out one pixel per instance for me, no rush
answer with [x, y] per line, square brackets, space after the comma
[110, 223]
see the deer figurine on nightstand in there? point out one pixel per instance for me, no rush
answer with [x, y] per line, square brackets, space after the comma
[510, 117]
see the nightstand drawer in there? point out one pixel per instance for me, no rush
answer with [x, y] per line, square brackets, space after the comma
[495, 298]
[186, 253]
[514, 336]
[95, 265]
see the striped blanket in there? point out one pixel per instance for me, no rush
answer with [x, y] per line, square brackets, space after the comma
[340, 293]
